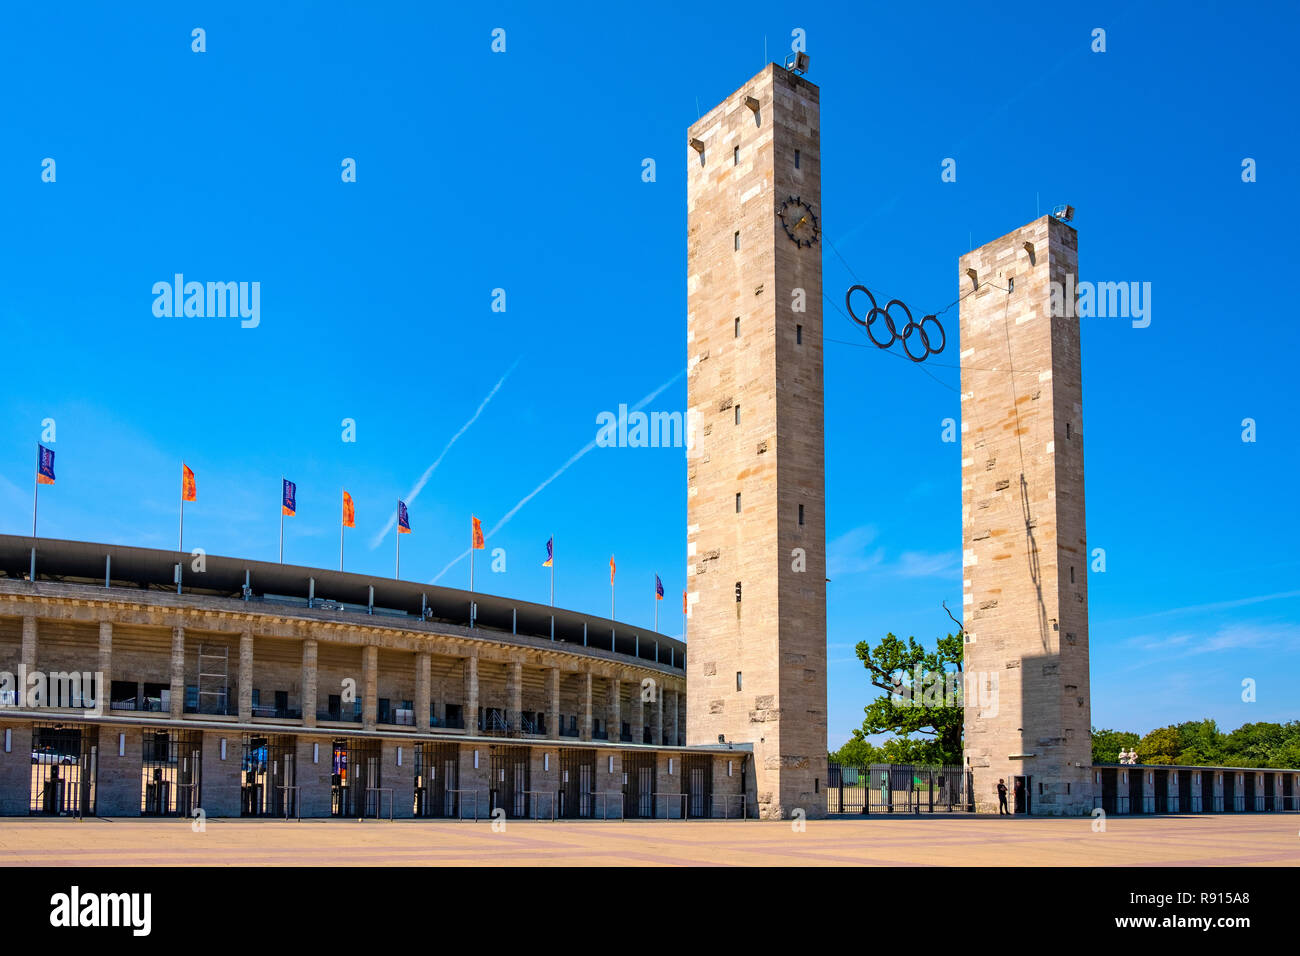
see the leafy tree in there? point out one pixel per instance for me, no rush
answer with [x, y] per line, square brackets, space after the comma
[932, 710]
[1160, 746]
[1106, 744]
[858, 752]
[1199, 742]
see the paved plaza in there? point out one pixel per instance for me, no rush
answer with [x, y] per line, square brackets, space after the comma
[1248, 840]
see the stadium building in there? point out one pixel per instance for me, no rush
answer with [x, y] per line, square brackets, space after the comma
[259, 689]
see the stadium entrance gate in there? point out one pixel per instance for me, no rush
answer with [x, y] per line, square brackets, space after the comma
[355, 776]
[898, 788]
[638, 784]
[269, 785]
[437, 776]
[697, 777]
[63, 770]
[172, 774]
[509, 782]
[577, 781]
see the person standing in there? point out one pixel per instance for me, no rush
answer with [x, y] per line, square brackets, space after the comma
[1002, 797]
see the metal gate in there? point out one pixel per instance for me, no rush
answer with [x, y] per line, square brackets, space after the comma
[63, 770]
[509, 781]
[355, 771]
[898, 788]
[697, 776]
[171, 773]
[638, 784]
[577, 781]
[437, 777]
[268, 786]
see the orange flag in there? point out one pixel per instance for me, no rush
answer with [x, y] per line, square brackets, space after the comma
[611, 569]
[478, 534]
[349, 512]
[189, 490]
[683, 602]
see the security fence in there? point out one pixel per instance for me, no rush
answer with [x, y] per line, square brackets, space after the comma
[898, 788]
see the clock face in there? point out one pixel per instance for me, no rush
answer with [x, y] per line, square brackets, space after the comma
[799, 220]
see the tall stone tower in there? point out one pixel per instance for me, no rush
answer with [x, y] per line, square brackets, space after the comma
[756, 534]
[1024, 547]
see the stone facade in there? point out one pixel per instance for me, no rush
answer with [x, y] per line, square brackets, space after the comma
[1024, 549]
[286, 673]
[756, 536]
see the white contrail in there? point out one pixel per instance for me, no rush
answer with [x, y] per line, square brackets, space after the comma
[562, 469]
[428, 472]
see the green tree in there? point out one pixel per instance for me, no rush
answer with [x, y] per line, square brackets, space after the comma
[1106, 744]
[1160, 746]
[1199, 743]
[932, 709]
[858, 751]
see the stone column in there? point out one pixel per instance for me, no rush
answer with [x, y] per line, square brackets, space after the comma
[104, 698]
[178, 673]
[659, 713]
[553, 702]
[309, 682]
[370, 686]
[515, 694]
[471, 695]
[586, 706]
[423, 662]
[246, 676]
[614, 713]
[675, 729]
[29, 647]
[636, 714]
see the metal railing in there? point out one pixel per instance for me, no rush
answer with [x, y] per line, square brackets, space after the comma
[683, 810]
[726, 799]
[460, 804]
[603, 795]
[533, 802]
[293, 801]
[379, 802]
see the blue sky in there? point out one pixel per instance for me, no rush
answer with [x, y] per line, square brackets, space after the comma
[522, 170]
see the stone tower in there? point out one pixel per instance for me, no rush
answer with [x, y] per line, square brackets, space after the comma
[1024, 548]
[756, 534]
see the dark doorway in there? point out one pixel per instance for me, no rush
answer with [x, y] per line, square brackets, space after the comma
[268, 785]
[172, 773]
[1288, 794]
[437, 777]
[1022, 797]
[1269, 801]
[1135, 801]
[638, 784]
[1161, 780]
[1185, 802]
[63, 770]
[509, 781]
[697, 776]
[1229, 793]
[1250, 793]
[577, 781]
[1110, 791]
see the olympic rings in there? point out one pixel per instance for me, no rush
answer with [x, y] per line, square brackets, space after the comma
[911, 328]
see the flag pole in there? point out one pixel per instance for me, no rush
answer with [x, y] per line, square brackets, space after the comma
[471, 554]
[36, 491]
[656, 593]
[397, 573]
[552, 569]
[282, 519]
[342, 492]
[180, 537]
